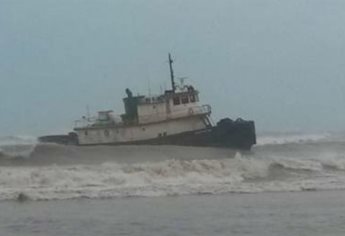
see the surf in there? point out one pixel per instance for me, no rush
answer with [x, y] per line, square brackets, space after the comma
[51, 171]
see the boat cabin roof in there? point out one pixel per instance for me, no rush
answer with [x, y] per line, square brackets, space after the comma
[143, 100]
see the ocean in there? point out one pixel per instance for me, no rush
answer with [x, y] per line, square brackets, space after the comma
[289, 184]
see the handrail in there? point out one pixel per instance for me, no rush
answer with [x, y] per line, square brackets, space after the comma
[85, 122]
[155, 117]
[191, 111]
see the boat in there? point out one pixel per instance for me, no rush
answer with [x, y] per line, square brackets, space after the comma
[174, 117]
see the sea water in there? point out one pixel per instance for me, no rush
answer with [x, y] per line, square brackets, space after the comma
[287, 185]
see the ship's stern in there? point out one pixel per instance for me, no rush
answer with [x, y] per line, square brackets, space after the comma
[239, 134]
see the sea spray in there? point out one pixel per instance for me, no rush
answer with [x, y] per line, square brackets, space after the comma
[17, 146]
[171, 177]
[62, 172]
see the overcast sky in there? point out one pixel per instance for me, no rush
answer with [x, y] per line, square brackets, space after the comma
[280, 63]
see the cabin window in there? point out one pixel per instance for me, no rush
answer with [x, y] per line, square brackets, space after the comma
[106, 133]
[164, 133]
[85, 132]
[147, 100]
[192, 98]
[176, 101]
[184, 100]
[160, 135]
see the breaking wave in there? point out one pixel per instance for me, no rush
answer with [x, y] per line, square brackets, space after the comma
[286, 138]
[17, 146]
[171, 177]
[17, 140]
[64, 172]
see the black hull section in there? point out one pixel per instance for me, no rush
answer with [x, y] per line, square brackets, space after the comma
[70, 139]
[239, 134]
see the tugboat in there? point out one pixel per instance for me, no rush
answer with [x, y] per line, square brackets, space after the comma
[172, 118]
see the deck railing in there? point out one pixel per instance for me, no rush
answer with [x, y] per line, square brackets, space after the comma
[85, 122]
[144, 119]
[189, 111]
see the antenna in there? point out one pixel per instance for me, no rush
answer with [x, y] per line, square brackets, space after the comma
[88, 112]
[149, 86]
[171, 74]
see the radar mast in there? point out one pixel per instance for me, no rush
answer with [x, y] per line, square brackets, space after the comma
[172, 74]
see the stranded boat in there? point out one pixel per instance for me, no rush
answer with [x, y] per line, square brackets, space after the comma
[172, 118]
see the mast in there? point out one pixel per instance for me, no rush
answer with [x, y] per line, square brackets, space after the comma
[171, 74]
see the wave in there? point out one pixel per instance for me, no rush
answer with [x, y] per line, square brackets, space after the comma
[17, 146]
[171, 177]
[54, 154]
[288, 138]
[31, 170]
[29, 147]
[17, 140]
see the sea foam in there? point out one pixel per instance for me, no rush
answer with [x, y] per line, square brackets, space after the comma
[170, 177]
[53, 171]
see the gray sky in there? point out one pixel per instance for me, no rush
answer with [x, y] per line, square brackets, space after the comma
[281, 63]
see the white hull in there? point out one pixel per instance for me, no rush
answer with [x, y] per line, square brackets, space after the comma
[105, 135]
